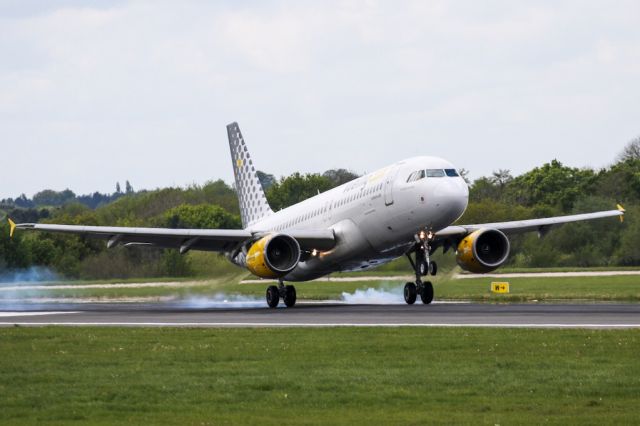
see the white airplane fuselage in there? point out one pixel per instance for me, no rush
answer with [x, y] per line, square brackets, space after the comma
[374, 217]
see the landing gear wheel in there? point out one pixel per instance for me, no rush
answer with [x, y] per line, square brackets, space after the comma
[410, 293]
[426, 293]
[433, 268]
[289, 296]
[273, 296]
[423, 267]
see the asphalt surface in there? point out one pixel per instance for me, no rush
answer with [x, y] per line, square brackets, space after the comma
[587, 315]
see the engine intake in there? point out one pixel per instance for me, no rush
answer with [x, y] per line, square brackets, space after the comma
[273, 256]
[483, 251]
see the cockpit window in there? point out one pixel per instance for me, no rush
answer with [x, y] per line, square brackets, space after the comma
[451, 172]
[435, 173]
[417, 175]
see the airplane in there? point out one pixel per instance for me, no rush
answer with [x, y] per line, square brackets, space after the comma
[405, 209]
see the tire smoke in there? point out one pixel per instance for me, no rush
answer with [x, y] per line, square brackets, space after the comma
[375, 296]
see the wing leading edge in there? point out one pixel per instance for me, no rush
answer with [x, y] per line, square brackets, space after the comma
[542, 226]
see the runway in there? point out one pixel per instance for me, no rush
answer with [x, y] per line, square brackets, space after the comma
[541, 315]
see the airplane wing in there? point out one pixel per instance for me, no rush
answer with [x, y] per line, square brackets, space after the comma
[542, 226]
[183, 239]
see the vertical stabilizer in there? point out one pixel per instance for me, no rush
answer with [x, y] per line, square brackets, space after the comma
[253, 202]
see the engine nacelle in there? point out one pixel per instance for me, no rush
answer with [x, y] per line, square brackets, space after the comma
[273, 256]
[483, 251]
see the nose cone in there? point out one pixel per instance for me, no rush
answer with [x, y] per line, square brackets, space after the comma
[452, 197]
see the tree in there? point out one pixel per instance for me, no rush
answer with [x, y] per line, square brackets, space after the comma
[23, 202]
[339, 176]
[631, 151]
[266, 180]
[464, 173]
[553, 184]
[484, 188]
[201, 216]
[501, 177]
[49, 197]
[296, 188]
[620, 182]
[118, 189]
[128, 188]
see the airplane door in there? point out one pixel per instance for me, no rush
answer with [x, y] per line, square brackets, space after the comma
[327, 215]
[388, 185]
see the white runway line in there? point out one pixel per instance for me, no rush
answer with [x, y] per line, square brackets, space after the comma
[463, 276]
[305, 325]
[32, 314]
[176, 284]
[551, 274]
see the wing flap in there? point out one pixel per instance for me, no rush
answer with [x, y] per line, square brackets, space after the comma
[184, 239]
[198, 239]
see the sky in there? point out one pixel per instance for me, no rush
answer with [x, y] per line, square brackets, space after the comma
[98, 92]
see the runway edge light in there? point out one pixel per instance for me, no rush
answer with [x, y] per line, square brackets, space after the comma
[12, 227]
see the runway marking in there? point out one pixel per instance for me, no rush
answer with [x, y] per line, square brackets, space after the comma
[550, 274]
[32, 314]
[176, 284]
[305, 325]
[461, 276]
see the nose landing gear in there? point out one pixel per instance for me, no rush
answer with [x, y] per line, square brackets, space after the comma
[422, 266]
[286, 292]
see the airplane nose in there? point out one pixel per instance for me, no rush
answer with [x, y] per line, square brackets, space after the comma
[461, 199]
[452, 194]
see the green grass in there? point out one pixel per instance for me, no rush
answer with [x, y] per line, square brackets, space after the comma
[508, 270]
[311, 376]
[614, 288]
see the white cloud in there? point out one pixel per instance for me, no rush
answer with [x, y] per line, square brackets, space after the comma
[142, 90]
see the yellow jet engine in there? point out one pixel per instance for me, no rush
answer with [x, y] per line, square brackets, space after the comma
[273, 256]
[483, 251]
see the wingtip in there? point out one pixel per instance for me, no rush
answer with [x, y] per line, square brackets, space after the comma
[12, 227]
[622, 212]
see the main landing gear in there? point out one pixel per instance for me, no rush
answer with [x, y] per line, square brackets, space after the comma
[286, 292]
[422, 266]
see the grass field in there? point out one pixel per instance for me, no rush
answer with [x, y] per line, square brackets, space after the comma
[608, 288]
[310, 376]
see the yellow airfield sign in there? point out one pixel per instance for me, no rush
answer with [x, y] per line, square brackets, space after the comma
[497, 287]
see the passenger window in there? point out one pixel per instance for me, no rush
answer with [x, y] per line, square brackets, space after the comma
[435, 173]
[451, 172]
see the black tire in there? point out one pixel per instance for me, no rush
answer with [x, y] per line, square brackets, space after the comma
[433, 268]
[423, 268]
[289, 296]
[426, 295]
[410, 293]
[273, 296]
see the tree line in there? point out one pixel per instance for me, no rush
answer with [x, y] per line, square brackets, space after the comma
[548, 190]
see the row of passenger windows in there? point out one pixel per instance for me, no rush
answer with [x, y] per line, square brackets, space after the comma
[432, 173]
[341, 202]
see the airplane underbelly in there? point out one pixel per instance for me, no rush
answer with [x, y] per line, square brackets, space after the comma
[352, 248]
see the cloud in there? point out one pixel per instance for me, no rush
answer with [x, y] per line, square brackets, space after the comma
[142, 90]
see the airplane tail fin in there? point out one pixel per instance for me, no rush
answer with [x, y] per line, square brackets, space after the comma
[253, 202]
